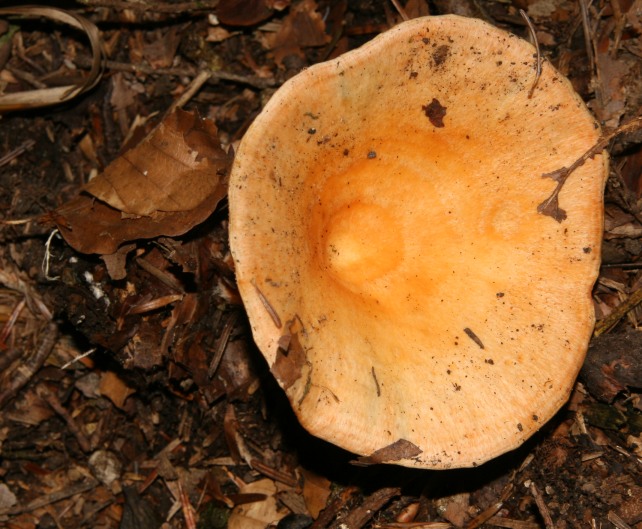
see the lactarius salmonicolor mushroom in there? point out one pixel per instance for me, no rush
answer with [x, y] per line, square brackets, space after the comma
[418, 286]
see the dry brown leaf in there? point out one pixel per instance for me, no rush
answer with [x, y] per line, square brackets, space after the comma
[90, 226]
[454, 508]
[193, 187]
[303, 27]
[7, 497]
[400, 449]
[29, 409]
[112, 387]
[161, 52]
[259, 514]
[123, 94]
[235, 442]
[116, 262]
[173, 169]
[316, 491]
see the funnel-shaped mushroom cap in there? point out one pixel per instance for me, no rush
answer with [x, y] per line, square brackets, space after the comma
[417, 286]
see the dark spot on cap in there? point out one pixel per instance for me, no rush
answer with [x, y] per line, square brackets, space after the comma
[372, 154]
[435, 112]
[586, 250]
[474, 337]
[440, 54]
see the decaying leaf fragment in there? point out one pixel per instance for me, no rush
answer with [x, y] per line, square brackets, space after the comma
[172, 181]
[304, 26]
[171, 170]
[400, 449]
[258, 514]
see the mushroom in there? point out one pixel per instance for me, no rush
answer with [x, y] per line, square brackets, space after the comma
[416, 273]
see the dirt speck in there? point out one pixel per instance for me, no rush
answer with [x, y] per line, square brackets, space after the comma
[435, 112]
[441, 54]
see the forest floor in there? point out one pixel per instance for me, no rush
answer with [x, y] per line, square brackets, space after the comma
[131, 392]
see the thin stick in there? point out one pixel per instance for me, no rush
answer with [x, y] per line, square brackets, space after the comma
[53, 401]
[196, 84]
[493, 509]
[617, 521]
[620, 22]
[54, 497]
[25, 146]
[188, 510]
[78, 358]
[45, 260]
[538, 66]
[268, 306]
[623, 266]
[221, 343]
[587, 34]
[541, 505]
[276, 475]
[400, 10]
[31, 365]
[612, 319]
[11, 321]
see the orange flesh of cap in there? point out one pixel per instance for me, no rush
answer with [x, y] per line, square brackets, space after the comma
[399, 239]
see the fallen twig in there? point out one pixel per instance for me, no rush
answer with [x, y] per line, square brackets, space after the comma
[550, 206]
[12, 155]
[541, 505]
[538, 55]
[54, 497]
[53, 401]
[29, 367]
[612, 319]
[493, 509]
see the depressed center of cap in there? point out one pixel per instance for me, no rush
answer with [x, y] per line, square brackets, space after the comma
[361, 242]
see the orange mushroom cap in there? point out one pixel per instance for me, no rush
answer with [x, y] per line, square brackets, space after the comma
[419, 287]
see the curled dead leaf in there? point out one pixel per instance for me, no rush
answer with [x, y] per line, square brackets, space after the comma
[50, 96]
[165, 186]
